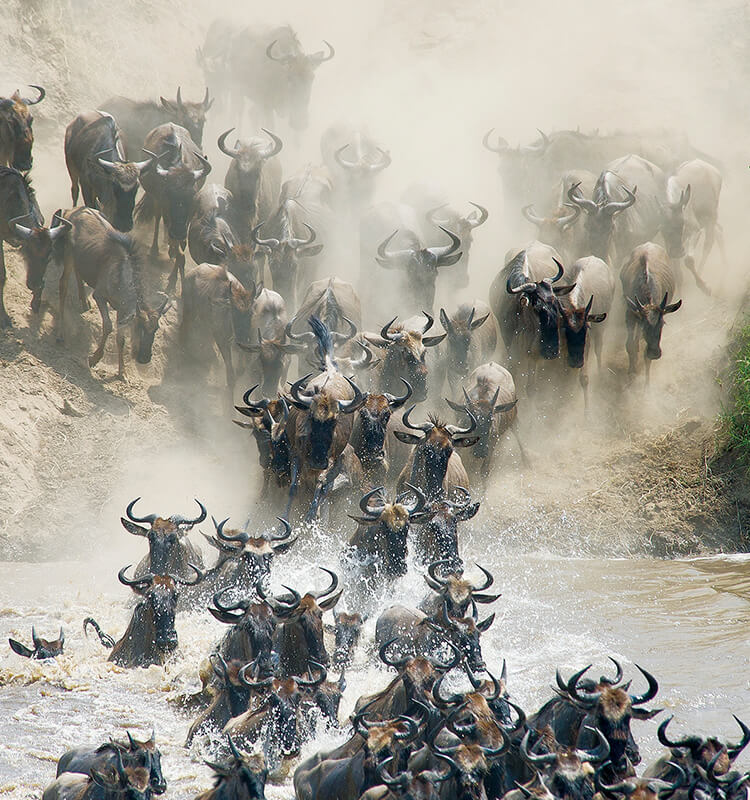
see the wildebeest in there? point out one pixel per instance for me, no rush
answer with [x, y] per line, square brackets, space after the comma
[437, 539]
[557, 227]
[170, 190]
[216, 309]
[244, 778]
[18, 204]
[405, 355]
[150, 636]
[588, 303]
[212, 238]
[490, 393]
[418, 266]
[84, 759]
[471, 339]
[601, 704]
[16, 135]
[136, 118]
[458, 593]
[431, 465]
[128, 782]
[525, 302]
[519, 168]
[445, 216]
[43, 648]
[347, 631]
[647, 282]
[109, 262]
[253, 179]
[644, 788]
[96, 161]
[269, 68]
[250, 637]
[320, 424]
[169, 549]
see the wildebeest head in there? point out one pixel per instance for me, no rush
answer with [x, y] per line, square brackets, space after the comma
[361, 166]
[437, 538]
[347, 632]
[273, 355]
[420, 264]
[164, 535]
[191, 116]
[552, 229]
[372, 424]
[640, 788]
[130, 783]
[159, 593]
[123, 178]
[284, 256]
[459, 330]
[576, 322]
[145, 325]
[405, 356]
[609, 708]
[462, 224]
[250, 638]
[541, 298]
[459, 594]
[601, 211]
[299, 69]
[244, 778]
[433, 449]
[17, 121]
[424, 785]
[673, 218]
[703, 751]
[568, 769]
[156, 778]
[179, 183]
[484, 411]
[37, 247]
[299, 631]
[462, 633]
[322, 409]
[383, 738]
[651, 319]
[270, 418]
[248, 158]
[43, 648]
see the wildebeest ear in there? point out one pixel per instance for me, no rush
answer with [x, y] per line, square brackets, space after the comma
[561, 290]
[431, 341]
[312, 250]
[468, 512]
[131, 527]
[597, 317]
[672, 307]
[504, 407]
[407, 438]
[469, 441]
[645, 713]
[22, 650]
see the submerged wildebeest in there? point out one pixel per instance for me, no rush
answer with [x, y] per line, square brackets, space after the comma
[43, 648]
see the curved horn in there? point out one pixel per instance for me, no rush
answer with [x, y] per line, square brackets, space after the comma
[199, 576]
[179, 520]
[430, 214]
[733, 750]
[134, 583]
[431, 571]
[455, 430]
[340, 338]
[282, 537]
[231, 152]
[560, 272]
[151, 518]
[240, 537]
[384, 331]
[279, 606]
[275, 147]
[613, 206]
[383, 654]
[531, 216]
[350, 406]
[429, 323]
[618, 666]
[331, 589]
[269, 54]
[302, 400]
[253, 684]
[204, 170]
[341, 161]
[368, 510]
[313, 681]
[296, 243]
[321, 58]
[689, 741]
[502, 145]
[488, 580]
[587, 698]
[365, 359]
[424, 427]
[263, 242]
[42, 95]
[420, 502]
[650, 693]
[444, 702]
[535, 758]
[601, 753]
[448, 249]
[475, 222]
[239, 605]
[396, 401]
[576, 197]
[385, 255]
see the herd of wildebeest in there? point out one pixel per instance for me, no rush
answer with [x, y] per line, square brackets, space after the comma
[329, 441]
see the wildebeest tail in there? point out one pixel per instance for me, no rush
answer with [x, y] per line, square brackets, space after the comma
[104, 638]
[324, 348]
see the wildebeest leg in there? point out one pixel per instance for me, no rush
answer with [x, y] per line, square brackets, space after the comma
[293, 487]
[96, 356]
[120, 349]
[583, 379]
[631, 344]
[89, 196]
[68, 268]
[524, 458]
[74, 188]
[82, 298]
[4, 318]
[175, 251]
[690, 266]
[647, 368]
[324, 483]
[719, 232]
[225, 349]
[598, 342]
[155, 240]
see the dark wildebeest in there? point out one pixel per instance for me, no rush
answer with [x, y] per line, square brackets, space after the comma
[242, 779]
[418, 266]
[320, 424]
[437, 539]
[43, 648]
[18, 204]
[212, 238]
[445, 216]
[127, 782]
[471, 339]
[459, 594]
[490, 393]
[431, 465]
[269, 68]
[171, 189]
[150, 636]
[598, 704]
[653, 788]
[588, 303]
[369, 433]
[16, 136]
[250, 637]
[253, 179]
[525, 302]
[405, 354]
[216, 309]
[109, 262]
[169, 551]
[136, 118]
[412, 784]
[647, 281]
[96, 160]
[84, 759]
[347, 631]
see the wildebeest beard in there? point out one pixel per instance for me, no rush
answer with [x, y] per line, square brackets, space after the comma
[321, 436]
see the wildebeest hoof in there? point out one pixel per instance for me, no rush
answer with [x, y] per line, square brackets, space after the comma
[95, 359]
